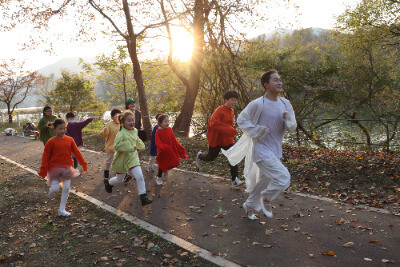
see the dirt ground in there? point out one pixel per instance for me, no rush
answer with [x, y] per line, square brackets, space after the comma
[33, 235]
[352, 177]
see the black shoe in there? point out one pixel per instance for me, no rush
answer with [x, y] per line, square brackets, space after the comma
[145, 200]
[106, 174]
[127, 178]
[107, 186]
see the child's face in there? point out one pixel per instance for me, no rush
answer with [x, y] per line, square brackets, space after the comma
[131, 106]
[48, 112]
[165, 123]
[115, 118]
[70, 118]
[231, 102]
[60, 130]
[129, 123]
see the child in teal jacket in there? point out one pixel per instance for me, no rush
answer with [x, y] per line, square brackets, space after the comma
[126, 157]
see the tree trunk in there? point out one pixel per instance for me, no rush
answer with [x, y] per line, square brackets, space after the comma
[182, 122]
[137, 74]
[9, 111]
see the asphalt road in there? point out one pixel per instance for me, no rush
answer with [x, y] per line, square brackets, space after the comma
[207, 213]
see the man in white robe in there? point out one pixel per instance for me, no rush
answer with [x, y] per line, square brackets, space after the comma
[264, 122]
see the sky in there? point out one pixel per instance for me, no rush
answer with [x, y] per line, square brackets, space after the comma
[310, 13]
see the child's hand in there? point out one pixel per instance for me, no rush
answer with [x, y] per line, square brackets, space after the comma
[49, 124]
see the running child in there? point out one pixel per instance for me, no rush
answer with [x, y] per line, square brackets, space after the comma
[109, 133]
[45, 125]
[153, 147]
[220, 134]
[168, 148]
[57, 163]
[126, 157]
[74, 130]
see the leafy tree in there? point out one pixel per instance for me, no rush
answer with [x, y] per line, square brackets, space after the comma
[16, 84]
[72, 92]
[115, 71]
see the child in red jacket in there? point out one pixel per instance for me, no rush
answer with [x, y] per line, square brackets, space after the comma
[168, 148]
[57, 163]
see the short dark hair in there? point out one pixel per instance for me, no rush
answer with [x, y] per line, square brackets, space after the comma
[231, 94]
[161, 118]
[158, 115]
[267, 76]
[70, 115]
[115, 111]
[46, 108]
[58, 122]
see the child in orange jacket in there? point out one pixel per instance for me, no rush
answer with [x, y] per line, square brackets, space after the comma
[168, 148]
[220, 134]
[57, 163]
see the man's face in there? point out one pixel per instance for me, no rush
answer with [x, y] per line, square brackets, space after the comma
[231, 102]
[275, 84]
[48, 112]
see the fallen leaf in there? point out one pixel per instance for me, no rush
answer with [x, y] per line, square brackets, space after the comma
[256, 243]
[225, 230]
[328, 253]
[348, 245]
[373, 241]
[236, 242]
[141, 259]
[367, 259]
[267, 246]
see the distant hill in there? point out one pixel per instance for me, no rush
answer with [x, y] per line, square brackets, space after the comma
[71, 64]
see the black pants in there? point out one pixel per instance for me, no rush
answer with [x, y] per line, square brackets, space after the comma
[75, 161]
[213, 154]
[159, 174]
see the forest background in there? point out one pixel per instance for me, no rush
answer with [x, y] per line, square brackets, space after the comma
[343, 83]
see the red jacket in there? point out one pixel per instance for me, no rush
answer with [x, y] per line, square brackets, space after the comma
[168, 149]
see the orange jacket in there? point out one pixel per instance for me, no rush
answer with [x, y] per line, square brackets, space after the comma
[220, 127]
[57, 152]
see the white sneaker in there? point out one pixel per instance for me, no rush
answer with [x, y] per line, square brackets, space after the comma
[63, 213]
[159, 181]
[237, 182]
[264, 209]
[198, 162]
[252, 216]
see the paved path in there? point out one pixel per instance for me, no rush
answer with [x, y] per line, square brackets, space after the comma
[207, 213]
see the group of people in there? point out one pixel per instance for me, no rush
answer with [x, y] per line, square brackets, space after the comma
[263, 122]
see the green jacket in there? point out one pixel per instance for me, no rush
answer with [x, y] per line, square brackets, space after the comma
[126, 145]
[46, 132]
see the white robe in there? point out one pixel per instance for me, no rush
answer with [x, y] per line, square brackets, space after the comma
[247, 121]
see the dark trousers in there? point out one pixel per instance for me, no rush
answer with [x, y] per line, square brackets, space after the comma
[213, 154]
[75, 161]
[159, 174]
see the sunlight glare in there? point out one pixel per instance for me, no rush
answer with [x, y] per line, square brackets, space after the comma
[182, 44]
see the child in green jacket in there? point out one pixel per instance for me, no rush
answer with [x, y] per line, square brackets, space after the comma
[126, 157]
[45, 125]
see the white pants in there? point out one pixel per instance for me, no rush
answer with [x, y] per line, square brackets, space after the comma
[274, 179]
[109, 160]
[65, 191]
[152, 160]
[135, 172]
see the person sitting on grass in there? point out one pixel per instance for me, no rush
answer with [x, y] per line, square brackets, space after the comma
[57, 163]
[45, 125]
[109, 133]
[74, 130]
[126, 158]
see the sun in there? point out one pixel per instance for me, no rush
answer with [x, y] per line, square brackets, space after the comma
[182, 43]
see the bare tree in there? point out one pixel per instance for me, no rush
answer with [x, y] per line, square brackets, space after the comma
[16, 84]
